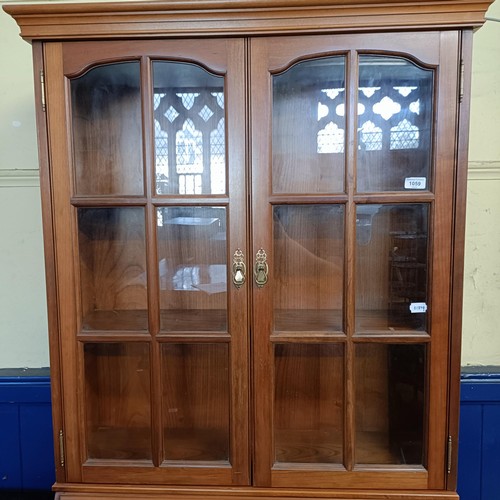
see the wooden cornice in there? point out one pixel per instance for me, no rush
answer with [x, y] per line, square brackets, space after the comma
[172, 18]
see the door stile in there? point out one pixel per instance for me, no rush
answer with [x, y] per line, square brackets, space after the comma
[237, 164]
[57, 124]
[50, 262]
[445, 145]
[349, 256]
[151, 259]
[261, 222]
[252, 392]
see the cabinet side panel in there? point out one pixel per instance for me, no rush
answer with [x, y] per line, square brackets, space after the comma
[458, 250]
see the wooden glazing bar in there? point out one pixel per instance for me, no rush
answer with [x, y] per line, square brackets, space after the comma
[394, 197]
[350, 252]
[152, 260]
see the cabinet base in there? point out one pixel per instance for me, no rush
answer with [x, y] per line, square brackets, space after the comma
[98, 492]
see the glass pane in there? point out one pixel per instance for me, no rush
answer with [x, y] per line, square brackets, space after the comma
[394, 124]
[308, 403]
[107, 131]
[308, 267]
[391, 267]
[195, 387]
[390, 385]
[192, 267]
[190, 148]
[112, 268]
[118, 401]
[309, 127]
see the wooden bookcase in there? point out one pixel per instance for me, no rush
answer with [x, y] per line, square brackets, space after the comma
[253, 217]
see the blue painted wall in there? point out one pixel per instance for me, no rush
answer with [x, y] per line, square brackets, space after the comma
[479, 443]
[27, 453]
[26, 446]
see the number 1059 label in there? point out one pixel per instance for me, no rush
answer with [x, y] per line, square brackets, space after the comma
[415, 183]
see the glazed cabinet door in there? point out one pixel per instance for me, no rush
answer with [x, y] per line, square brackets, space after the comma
[353, 147]
[150, 235]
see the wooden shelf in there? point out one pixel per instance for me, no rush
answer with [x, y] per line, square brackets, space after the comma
[378, 322]
[119, 443]
[119, 320]
[328, 322]
[308, 320]
[194, 320]
[371, 448]
[134, 444]
[177, 320]
[300, 446]
[196, 445]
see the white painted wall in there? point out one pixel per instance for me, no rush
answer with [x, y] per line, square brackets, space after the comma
[481, 327]
[23, 322]
[23, 319]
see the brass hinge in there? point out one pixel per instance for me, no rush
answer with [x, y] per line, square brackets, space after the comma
[450, 454]
[461, 87]
[61, 448]
[42, 89]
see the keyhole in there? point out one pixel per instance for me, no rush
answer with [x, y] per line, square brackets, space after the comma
[238, 277]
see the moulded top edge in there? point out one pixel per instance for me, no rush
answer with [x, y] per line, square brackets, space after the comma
[46, 21]
[169, 5]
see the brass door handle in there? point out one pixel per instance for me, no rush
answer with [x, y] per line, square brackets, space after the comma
[261, 269]
[239, 268]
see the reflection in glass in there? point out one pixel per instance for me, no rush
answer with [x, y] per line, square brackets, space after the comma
[195, 387]
[190, 150]
[308, 267]
[394, 124]
[390, 383]
[309, 127]
[117, 401]
[107, 130]
[112, 252]
[192, 268]
[391, 267]
[308, 403]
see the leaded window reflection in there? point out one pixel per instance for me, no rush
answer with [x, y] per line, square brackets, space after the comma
[395, 101]
[405, 134]
[377, 108]
[308, 127]
[190, 155]
[371, 136]
[331, 121]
